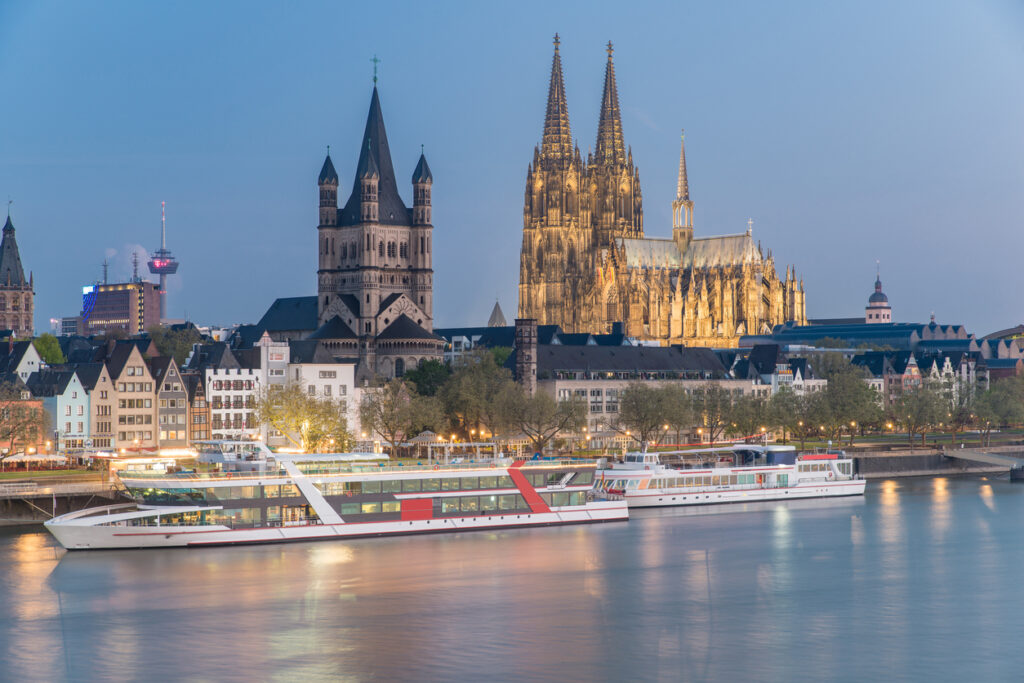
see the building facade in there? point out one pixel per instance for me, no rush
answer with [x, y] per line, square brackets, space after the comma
[16, 293]
[585, 262]
[375, 259]
[130, 307]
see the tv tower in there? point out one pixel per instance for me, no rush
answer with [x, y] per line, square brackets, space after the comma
[163, 263]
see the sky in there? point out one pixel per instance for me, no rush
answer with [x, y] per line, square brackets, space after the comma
[849, 133]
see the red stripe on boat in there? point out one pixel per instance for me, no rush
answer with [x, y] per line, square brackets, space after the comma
[530, 494]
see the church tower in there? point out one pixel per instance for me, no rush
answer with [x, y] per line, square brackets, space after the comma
[16, 293]
[682, 207]
[375, 276]
[554, 267]
[613, 182]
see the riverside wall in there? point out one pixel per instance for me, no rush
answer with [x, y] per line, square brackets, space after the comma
[882, 464]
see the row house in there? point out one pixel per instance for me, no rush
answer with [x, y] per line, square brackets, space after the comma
[136, 410]
[198, 407]
[232, 383]
[66, 400]
[172, 403]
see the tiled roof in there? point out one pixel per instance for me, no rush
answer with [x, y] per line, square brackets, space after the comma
[405, 328]
[291, 313]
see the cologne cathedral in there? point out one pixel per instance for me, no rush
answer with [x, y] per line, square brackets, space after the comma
[586, 264]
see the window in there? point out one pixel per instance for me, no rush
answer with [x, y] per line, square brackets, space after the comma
[80, 411]
[311, 389]
[67, 427]
[67, 411]
[328, 374]
[368, 508]
[327, 390]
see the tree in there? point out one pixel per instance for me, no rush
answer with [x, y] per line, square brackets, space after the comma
[22, 420]
[501, 354]
[470, 394]
[679, 413]
[712, 405]
[175, 343]
[540, 417]
[918, 409]
[429, 377]
[1002, 404]
[643, 412]
[750, 415]
[959, 397]
[312, 423]
[846, 401]
[49, 349]
[395, 412]
[785, 410]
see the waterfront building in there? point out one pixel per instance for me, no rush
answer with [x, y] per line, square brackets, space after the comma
[172, 403]
[102, 408]
[375, 280]
[129, 307]
[198, 407]
[136, 415]
[16, 292]
[66, 400]
[232, 383]
[586, 263]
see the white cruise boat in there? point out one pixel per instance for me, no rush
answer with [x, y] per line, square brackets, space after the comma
[734, 474]
[275, 497]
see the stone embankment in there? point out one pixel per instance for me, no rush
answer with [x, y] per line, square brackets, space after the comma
[881, 464]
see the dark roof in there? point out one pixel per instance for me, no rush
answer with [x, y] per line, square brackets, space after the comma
[250, 359]
[1008, 333]
[763, 358]
[876, 362]
[387, 301]
[49, 382]
[11, 272]
[118, 357]
[88, 373]
[11, 355]
[836, 321]
[651, 359]
[327, 173]
[245, 336]
[159, 366]
[573, 339]
[800, 365]
[546, 333]
[613, 339]
[1002, 362]
[193, 384]
[291, 313]
[335, 328]
[375, 153]
[352, 301]
[405, 328]
[216, 355]
[309, 351]
[422, 172]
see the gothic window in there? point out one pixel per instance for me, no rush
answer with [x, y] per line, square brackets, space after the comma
[399, 367]
[352, 249]
[332, 246]
[428, 245]
[344, 252]
[404, 250]
[391, 249]
[367, 243]
[380, 249]
[421, 245]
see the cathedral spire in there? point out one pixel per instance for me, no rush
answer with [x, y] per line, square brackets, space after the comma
[557, 135]
[611, 146]
[682, 207]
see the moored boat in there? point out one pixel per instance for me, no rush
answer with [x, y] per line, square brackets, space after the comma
[307, 497]
[732, 474]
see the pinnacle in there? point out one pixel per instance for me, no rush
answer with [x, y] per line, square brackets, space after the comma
[610, 143]
[557, 141]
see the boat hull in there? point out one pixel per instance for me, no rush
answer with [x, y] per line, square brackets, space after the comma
[646, 498]
[88, 537]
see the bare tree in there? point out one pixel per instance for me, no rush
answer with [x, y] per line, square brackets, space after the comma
[22, 420]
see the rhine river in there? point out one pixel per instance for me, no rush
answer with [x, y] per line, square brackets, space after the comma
[922, 579]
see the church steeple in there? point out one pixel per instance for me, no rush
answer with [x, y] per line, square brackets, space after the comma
[557, 141]
[682, 207]
[611, 147]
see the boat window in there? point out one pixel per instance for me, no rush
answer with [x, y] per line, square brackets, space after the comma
[583, 478]
[411, 485]
[371, 487]
[507, 502]
[431, 484]
[488, 502]
[469, 504]
[578, 498]
[505, 482]
[391, 506]
[633, 483]
[370, 508]
[469, 483]
[450, 484]
[489, 482]
[273, 514]
[289, 491]
[560, 499]
[449, 505]
[390, 486]
[537, 479]
[349, 509]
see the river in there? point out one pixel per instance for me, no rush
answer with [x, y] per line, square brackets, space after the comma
[918, 580]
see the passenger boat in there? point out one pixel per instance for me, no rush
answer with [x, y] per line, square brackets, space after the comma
[307, 497]
[734, 474]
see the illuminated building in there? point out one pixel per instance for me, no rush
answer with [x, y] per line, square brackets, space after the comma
[132, 307]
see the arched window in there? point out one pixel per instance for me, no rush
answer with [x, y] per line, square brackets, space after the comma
[380, 249]
[344, 252]
[403, 251]
[399, 367]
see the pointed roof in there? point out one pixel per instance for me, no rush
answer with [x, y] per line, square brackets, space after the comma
[557, 140]
[497, 318]
[422, 172]
[11, 272]
[405, 328]
[327, 173]
[335, 328]
[375, 156]
[683, 188]
[611, 147]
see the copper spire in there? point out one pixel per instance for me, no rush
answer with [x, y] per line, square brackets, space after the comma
[557, 135]
[611, 147]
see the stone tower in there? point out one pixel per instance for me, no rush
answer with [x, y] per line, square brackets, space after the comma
[16, 293]
[374, 262]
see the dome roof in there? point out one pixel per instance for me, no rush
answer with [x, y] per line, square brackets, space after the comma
[878, 297]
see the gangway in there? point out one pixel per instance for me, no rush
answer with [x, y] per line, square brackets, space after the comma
[1015, 465]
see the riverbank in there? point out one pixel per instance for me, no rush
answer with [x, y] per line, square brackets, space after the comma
[924, 462]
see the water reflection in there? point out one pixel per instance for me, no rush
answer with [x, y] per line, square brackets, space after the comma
[874, 588]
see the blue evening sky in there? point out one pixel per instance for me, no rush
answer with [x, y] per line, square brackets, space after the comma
[849, 132]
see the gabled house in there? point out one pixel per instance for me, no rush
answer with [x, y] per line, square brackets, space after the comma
[66, 400]
[172, 403]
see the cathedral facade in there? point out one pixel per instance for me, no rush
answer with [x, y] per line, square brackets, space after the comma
[375, 281]
[16, 292]
[586, 264]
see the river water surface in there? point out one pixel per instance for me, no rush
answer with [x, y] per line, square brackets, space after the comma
[919, 580]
